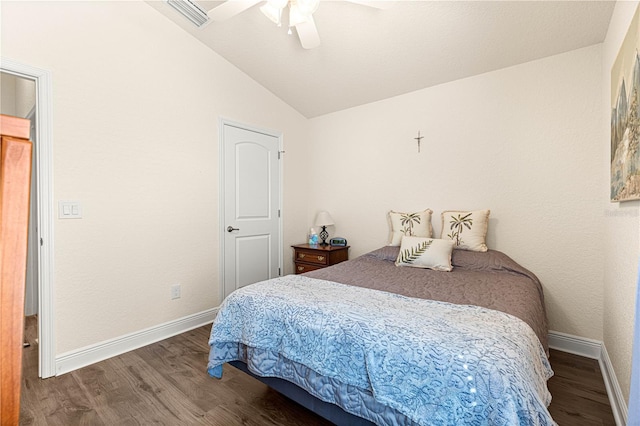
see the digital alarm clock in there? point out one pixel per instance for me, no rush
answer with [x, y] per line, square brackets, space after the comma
[338, 241]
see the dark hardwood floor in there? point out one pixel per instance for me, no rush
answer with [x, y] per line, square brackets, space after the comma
[578, 391]
[166, 384]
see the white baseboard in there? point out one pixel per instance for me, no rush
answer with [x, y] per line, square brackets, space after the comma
[594, 349]
[582, 346]
[618, 404]
[88, 355]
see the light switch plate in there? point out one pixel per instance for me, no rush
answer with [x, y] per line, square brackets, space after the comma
[69, 210]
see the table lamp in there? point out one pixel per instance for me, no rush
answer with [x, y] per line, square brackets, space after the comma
[324, 219]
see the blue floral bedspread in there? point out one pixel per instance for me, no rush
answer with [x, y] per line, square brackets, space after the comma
[436, 363]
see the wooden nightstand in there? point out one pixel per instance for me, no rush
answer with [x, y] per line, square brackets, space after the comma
[309, 258]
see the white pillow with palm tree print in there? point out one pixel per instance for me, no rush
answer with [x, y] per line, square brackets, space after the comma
[416, 224]
[427, 253]
[467, 229]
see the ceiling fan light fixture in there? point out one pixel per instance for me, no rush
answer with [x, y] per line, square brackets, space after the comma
[273, 13]
[296, 17]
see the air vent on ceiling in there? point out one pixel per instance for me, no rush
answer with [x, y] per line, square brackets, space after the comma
[190, 10]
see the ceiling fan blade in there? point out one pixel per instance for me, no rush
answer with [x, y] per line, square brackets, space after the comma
[378, 4]
[230, 8]
[308, 34]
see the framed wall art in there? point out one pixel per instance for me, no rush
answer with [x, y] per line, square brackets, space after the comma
[625, 120]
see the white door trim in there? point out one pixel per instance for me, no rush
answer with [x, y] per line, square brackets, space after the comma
[221, 199]
[44, 163]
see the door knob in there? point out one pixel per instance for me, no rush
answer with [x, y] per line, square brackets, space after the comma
[231, 229]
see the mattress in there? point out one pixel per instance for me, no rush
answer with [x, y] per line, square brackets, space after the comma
[399, 345]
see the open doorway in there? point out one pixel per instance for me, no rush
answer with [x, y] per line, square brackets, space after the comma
[19, 100]
[37, 106]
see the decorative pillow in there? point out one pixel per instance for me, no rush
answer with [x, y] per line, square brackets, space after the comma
[427, 253]
[467, 229]
[416, 224]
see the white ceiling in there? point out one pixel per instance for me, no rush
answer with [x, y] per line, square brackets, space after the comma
[368, 54]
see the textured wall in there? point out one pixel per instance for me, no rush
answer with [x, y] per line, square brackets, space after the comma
[622, 225]
[136, 108]
[525, 142]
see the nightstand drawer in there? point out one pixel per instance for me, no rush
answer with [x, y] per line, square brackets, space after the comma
[308, 258]
[301, 268]
[311, 257]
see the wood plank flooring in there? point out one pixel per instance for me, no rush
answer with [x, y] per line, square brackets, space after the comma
[166, 384]
[578, 391]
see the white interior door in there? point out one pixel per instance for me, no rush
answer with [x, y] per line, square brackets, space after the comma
[251, 207]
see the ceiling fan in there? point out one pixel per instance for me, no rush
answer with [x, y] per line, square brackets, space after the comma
[300, 14]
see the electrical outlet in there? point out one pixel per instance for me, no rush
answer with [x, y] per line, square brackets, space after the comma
[175, 291]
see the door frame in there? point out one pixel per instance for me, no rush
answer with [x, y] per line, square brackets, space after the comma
[45, 209]
[221, 195]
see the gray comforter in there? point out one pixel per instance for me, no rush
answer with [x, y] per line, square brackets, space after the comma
[491, 280]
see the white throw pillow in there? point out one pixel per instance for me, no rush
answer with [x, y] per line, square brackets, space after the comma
[427, 253]
[416, 224]
[467, 229]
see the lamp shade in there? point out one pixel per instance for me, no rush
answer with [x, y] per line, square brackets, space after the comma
[324, 219]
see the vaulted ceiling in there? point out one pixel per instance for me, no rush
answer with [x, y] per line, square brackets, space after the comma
[368, 54]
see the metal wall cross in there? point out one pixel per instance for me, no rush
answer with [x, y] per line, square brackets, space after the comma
[419, 139]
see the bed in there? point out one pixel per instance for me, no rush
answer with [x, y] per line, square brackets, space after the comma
[366, 341]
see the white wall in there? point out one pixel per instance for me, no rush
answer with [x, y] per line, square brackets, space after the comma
[25, 96]
[7, 94]
[136, 108]
[18, 95]
[525, 142]
[622, 226]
